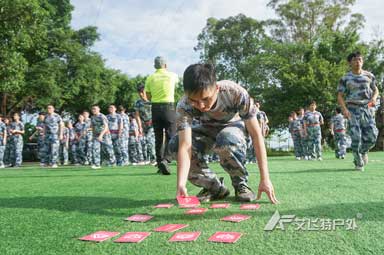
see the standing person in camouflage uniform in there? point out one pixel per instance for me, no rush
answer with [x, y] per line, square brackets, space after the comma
[53, 134]
[17, 131]
[303, 137]
[295, 128]
[227, 114]
[72, 143]
[124, 139]
[64, 145]
[39, 133]
[80, 140]
[115, 125]
[312, 121]
[143, 116]
[337, 128]
[357, 93]
[135, 151]
[263, 120]
[89, 139]
[7, 151]
[101, 138]
[3, 141]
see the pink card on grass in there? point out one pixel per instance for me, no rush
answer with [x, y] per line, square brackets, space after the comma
[170, 227]
[236, 218]
[225, 237]
[132, 237]
[220, 206]
[196, 211]
[164, 206]
[249, 206]
[139, 218]
[188, 202]
[185, 237]
[99, 236]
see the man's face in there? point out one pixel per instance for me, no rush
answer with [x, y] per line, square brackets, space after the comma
[95, 110]
[312, 107]
[205, 99]
[41, 117]
[357, 63]
[81, 118]
[86, 115]
[50, 109]
[111, 109]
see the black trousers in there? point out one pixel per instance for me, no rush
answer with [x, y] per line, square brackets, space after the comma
[164, 124]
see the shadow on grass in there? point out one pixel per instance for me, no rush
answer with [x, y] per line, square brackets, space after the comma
[370, 211]
[93, 174]
[321, 170]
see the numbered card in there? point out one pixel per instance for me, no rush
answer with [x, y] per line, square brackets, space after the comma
[225, 237]
[132, 237]
[185, 237]
[139, 218]
[236, 218]
[99, 236]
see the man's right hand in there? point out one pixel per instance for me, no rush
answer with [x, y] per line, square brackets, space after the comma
[182, 191]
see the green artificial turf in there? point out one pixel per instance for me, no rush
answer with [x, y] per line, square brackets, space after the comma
[44, 211]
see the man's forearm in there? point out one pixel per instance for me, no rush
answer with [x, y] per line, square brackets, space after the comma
[183, 165]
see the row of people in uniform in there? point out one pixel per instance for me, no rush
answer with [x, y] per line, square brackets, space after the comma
[116, 138]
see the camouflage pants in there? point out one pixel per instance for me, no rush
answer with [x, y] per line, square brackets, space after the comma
[340, 144]
[73, 151]
[7, 152]
[304, 146]
[88, 148]
[297, 144]
[363, 132]
[2, 151]
[41, 149]
[117, 148]
[81, 155]
[106, 146]
[124, 143]
[63, 153]
[314, 141]
[148, 145]
[135, 151]
[231, 146]
[16, 150]
[51, 148]
[250, 151]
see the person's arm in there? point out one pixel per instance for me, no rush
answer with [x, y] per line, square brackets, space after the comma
[184, 156]
[33, 135]
[340, 100]
[105, 129]
[5, 137]
[321, 119]
[121, 125]
[374, 97]
[265, 185]
[61, 129]
[331, 128]
[138, 120]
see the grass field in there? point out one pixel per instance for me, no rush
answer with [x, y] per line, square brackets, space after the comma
[44, 211]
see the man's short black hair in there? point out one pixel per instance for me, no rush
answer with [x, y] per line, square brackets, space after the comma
[198, 77]
[338, 109]
[354, 55]
[140, 88]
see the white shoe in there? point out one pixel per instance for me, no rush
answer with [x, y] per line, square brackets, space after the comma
[359, 168]
[95, 167]
[153, 163]
[142, 163]
[306, 158]
[320, 159]
[298, 158]
[2, 166]
[134, 164]
[54, 166]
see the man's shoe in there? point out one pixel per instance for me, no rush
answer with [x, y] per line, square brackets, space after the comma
[164, 168]
[243, 193]
[359, 168]
[205, 195]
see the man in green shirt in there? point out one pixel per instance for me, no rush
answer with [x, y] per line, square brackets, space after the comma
[160, 89]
